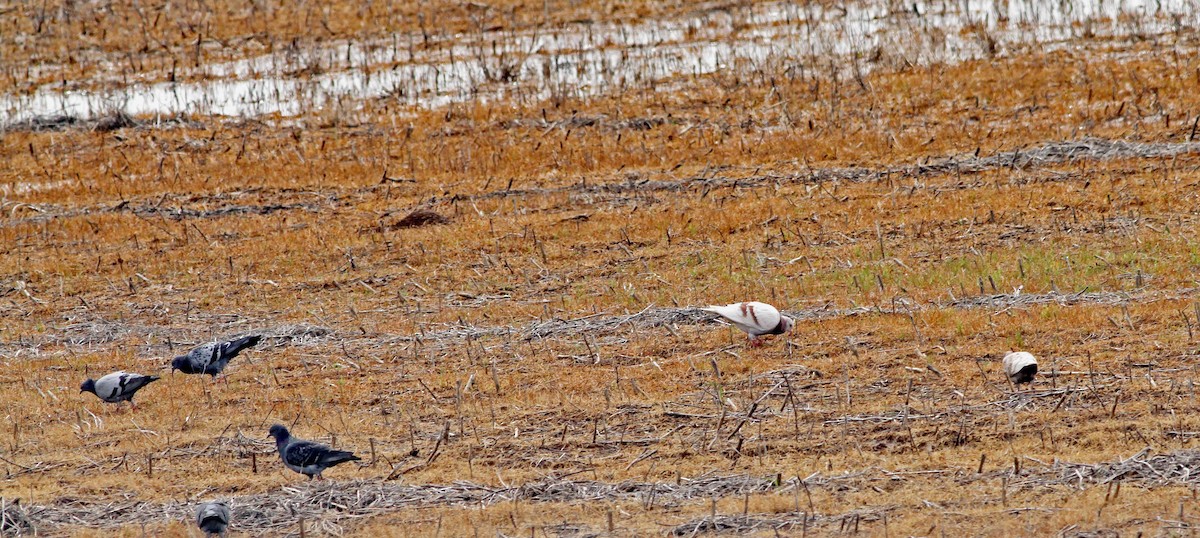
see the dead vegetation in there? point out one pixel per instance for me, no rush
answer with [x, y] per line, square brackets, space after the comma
[491, 296]
[419, 217]
[328, 507]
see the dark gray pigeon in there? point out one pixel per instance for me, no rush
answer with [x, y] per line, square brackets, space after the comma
[212, 357]
[306, 457]
[117, 387]
[213, 518]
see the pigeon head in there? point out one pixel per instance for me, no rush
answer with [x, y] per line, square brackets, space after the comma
[279, 432]
[182, 364]
[788, 323]
[88, 386]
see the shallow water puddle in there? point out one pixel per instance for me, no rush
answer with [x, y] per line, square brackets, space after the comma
[594, 59]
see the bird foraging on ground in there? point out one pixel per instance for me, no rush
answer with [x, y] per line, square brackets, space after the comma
[211, 358]
[213, 518]
[117, 387]
[754, 318]
[1020, 367]
[308, 458]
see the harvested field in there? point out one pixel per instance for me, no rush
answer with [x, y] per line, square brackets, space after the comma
[476, 239]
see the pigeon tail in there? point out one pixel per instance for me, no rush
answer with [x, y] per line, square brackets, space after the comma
[236, 346]
[334, 457]
[143, 381]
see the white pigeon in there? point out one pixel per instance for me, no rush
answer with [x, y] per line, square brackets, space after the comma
[754, 318]
[1020, 367]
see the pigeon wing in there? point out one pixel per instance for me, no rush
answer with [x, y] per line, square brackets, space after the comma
[201, 358]
[108, 388]
[132, 383]
[301, 453]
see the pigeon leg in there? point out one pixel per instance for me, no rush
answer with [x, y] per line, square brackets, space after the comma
[756, 342]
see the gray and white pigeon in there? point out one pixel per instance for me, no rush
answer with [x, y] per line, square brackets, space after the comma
[1020, 367]
[211, 358]
[308, 458]
[117, 387]
[754, 318]
[213, 518]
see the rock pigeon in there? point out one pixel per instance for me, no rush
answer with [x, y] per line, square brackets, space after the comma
[306, 457]
[755, 318]
[1020, 367]
[212, 357]
[213, 518]
[117, 387]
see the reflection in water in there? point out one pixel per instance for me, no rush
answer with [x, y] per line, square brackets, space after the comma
[592, 59]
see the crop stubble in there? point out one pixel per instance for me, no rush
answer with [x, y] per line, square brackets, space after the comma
[533, 366]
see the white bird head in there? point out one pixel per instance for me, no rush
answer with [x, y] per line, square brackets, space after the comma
[788, 324]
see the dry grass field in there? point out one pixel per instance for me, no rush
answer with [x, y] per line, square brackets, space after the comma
[924, 187]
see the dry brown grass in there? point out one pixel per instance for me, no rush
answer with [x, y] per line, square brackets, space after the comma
[533, 366]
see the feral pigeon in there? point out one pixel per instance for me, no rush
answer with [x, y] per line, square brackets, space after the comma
[1020, 367]
[212, 518]
[212, 357]
[117, 387]
[306, 457]
[756, 319]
